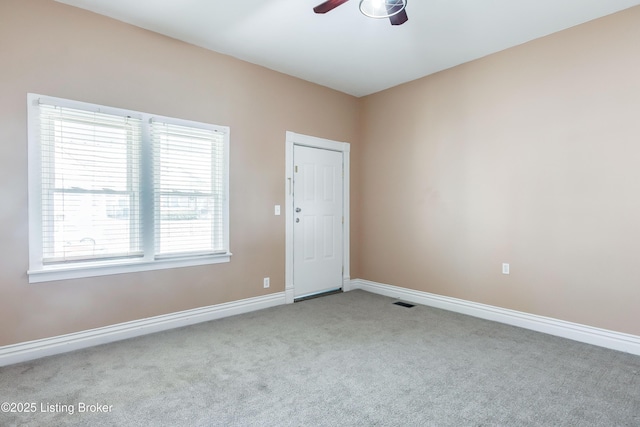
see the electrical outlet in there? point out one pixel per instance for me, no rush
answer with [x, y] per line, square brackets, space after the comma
[265, 282]
[505, 268]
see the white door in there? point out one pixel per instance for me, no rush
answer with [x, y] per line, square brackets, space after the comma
[318, 219]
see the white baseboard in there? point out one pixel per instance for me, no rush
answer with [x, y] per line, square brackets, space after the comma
[574, 331]
[346, 284]
[30, 350]
[23, 352]
[289, 295]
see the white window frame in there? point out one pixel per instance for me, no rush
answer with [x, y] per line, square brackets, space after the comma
[39, 272]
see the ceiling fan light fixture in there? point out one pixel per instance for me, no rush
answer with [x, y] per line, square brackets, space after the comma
[382, 8]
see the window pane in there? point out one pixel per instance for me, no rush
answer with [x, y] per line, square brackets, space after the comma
[90, 157]
[90, 185]
[107, 183]
[92, 225]
[189, 171]
[185, 224]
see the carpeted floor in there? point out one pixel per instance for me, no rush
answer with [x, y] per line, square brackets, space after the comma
[352, 359]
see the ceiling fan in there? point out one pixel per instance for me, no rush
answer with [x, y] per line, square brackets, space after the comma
[392, 9]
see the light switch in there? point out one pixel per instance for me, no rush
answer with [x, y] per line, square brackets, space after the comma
[277, 210]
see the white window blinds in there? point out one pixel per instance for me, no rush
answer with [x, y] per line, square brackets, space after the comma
[115, 191]
[90, 177]
[189, 189]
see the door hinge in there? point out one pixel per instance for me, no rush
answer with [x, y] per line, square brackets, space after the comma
[296, 169]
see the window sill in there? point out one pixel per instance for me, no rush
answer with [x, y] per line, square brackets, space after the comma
[75, 271]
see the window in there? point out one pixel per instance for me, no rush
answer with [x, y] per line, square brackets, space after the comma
[113, 191]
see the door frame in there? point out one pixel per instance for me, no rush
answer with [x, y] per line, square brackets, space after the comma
[293, 139]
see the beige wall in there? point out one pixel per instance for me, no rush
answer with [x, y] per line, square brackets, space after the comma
[53, 49]
[530, 156]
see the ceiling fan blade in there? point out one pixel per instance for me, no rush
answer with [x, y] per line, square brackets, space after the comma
[328, 6]
[399, 18]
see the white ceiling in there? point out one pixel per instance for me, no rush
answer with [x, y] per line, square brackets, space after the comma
[345, 50]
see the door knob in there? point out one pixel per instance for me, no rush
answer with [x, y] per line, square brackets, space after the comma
[298, 209]
[297, 219]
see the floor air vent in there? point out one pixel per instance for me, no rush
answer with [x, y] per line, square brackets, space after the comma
[404, 304]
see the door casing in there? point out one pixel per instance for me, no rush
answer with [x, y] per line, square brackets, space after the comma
[313, 142]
